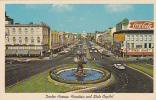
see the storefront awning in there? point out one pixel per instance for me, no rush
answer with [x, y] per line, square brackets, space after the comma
[22, 51]
[10, 52]
[34, 51]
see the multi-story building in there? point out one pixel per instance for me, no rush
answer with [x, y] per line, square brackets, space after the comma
[27, 39]
[99, 37]
[59, 40]
[134, 38]
[70, 38]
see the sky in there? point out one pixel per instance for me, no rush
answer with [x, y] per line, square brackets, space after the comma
[79, 17]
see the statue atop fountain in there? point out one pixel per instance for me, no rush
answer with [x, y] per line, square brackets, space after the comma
[80, 59]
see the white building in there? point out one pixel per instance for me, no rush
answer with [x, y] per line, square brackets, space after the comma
[99, 37]
[136, 38]
[27, 39]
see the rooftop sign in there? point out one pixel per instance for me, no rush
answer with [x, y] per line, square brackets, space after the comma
[141, 25]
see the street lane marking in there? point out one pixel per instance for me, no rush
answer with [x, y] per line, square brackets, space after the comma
[141, 72]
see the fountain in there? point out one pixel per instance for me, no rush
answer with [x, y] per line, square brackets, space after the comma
[80, 59]
[81, 73]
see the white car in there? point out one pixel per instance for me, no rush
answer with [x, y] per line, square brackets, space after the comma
[55, 55]
[91, 51]
[119, 66]
[66, 51]
[95, 50]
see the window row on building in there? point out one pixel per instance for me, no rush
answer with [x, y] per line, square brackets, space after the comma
[23, 30]
[142, 45]
[145, 37]
[22, 40]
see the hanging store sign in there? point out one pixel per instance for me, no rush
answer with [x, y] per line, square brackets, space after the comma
[119, 37]
[141, 25]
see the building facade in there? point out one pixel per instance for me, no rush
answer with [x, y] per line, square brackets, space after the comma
[135, 38]
[99, 37]
[27, 39]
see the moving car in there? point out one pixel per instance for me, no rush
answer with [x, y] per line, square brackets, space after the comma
[119, 66]
[95, 50]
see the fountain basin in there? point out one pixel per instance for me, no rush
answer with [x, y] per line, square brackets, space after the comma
[90, 74]
[67, 75]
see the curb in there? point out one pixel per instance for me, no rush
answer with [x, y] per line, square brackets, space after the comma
[141, 72]
[102, 84]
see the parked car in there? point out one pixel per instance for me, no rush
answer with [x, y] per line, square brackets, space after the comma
[95, 50]
[55, 55]
[119, 66]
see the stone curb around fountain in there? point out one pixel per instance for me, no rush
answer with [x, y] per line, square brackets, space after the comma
[53, 75]
[98, 86]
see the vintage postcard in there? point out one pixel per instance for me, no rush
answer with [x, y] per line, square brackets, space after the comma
[78, 50]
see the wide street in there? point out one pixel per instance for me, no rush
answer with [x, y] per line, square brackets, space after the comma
[127, 80]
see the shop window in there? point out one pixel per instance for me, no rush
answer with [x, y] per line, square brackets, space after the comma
[32, 40]
[14, 40]
[141, 37]
[26, 30]
[13, 30]
[150, 45]
[32, 30]
[145, 37]
[19, 30]
[128, 45]
[7, 38]
[20, 40]
[150, 37]
[137, 37]
[26, 40]
[145, 45]
[132, 38]
[38, 39]
[128, 37]
[132, 45]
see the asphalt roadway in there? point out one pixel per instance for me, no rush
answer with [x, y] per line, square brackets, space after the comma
[127, 81]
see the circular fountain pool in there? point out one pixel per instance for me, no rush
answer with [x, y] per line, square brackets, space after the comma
[90, 74]
[67, 75]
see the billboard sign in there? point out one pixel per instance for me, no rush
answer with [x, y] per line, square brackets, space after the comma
[119, 37]
[141, 25]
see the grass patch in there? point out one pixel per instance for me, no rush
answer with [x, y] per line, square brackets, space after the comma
[143, 67]
[39, 83]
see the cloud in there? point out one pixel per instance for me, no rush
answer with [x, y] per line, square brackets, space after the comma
[33, 6]
[113, 8]
[62, 7]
